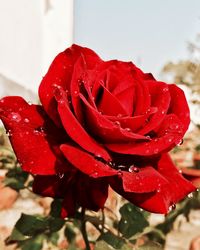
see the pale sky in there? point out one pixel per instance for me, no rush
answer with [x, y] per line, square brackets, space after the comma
[147, 32]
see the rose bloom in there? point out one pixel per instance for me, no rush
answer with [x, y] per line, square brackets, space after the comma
[100, 123]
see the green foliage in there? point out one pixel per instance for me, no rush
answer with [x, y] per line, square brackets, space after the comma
[69, 233]
[31, 230]
[112, 240]
[16, 178]
[132, 220]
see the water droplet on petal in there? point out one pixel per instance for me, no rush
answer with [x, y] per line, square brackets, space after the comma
[174, 126]
[117, 123]
[15, 117]
[172, 207]
[61, 175]
[26, 120]
[147, 151]
[9, 133]
[76, 93]
[128, 129]
[180, 171]
[169, 139]
[190, 195]
[110, 163]
[179, 142]
[119, 172]
[148, 137]
[133, 169]
[95, 174]
[158, 191]
[165, 89]
[163, 112]
[156, 150]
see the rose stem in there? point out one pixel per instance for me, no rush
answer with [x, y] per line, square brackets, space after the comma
[83, 229]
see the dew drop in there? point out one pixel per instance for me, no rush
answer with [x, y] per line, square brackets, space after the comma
[61, 175]
[128, 129]
[158, 191]
[172, 207]
[119, 172]
[162, 112]
[110, 163]
[26, 120]
[40, 130]
[76, 93]
[125, 222]
[179, 142]
[156, 150]
[29, 103]
[117, 123]
[133, 169]
[15, 117]
[165, 89]
[9, 133]
[95, 174]
[147, 151]
[180, 171]
[174, 126]
[148, 137]
[169, 139]
[190, 195]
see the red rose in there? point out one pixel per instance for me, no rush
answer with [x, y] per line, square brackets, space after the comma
[101, 123]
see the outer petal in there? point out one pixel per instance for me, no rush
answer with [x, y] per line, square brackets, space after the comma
[60, 73]
[179, 106]
[170, 133]
[34, 138]
[166, 195]
[74, 128]
[85, 162]
[160, 98]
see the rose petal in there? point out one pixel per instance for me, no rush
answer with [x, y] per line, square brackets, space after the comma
[135, 122]
[74, 128]
[170, 133]
[85, 162]
[34, 137]
[160, 98]
[60, 73]
[106, 130]
[144, 181]
[166, 195]
[109, 104]
[179, 106]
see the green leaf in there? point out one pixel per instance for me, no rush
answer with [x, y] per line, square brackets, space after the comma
[30, 225]
[150, 246]
[132, 220]
[16, 178]
[35, 243]
[55, 224]
[112, 240]
[69, 233]
[13, 183]
[102, 245]
[53, 238]
[16, 236]
[56, 207]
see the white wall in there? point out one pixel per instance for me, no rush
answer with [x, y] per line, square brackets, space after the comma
[32, 32]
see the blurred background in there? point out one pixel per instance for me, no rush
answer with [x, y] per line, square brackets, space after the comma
[161, 37]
